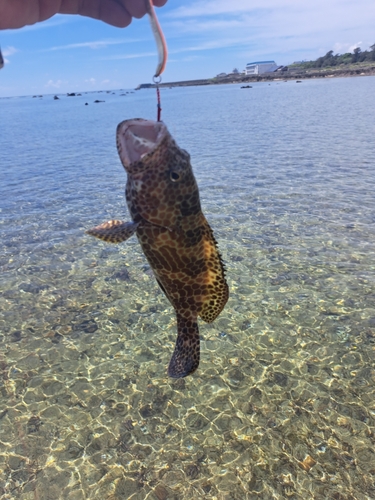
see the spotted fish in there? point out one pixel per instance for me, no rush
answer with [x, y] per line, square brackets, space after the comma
[163, 200]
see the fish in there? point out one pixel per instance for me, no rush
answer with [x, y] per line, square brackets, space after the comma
[163, 201]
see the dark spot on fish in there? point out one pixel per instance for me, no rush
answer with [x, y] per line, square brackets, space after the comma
[190, 206]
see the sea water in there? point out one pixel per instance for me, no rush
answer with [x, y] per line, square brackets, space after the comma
[282, 405]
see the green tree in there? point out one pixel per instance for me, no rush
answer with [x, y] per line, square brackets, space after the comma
[356, 54]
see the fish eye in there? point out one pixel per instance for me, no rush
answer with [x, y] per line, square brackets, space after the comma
[174, 176]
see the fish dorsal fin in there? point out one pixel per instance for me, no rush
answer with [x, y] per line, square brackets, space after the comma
[185, 358]
[215, 281]
[114, 231]
[216, 302]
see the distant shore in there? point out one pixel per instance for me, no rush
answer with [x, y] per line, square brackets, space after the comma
[293, 74]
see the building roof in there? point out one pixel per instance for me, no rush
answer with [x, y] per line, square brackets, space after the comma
[261, 62]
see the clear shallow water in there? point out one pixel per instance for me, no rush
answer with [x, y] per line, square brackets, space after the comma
[282, 405]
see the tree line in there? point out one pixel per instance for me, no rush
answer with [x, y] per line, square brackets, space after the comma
[331, 59]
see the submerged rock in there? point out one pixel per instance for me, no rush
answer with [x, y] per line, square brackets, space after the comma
[87, 326]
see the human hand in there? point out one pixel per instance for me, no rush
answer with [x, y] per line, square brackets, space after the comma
[119, 13]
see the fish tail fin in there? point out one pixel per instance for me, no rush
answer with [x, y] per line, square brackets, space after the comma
[185, 358]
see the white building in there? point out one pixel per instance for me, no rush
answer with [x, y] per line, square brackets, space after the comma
[258, 67]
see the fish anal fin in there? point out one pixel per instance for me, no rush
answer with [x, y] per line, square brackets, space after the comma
[113, 231]
[185, 358]
[163, 289]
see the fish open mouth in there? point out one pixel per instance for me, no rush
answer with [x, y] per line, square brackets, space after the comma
[137, 138]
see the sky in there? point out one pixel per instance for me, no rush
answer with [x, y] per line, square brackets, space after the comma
[204, 37]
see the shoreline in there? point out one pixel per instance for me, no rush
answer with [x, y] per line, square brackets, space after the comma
[293, 74]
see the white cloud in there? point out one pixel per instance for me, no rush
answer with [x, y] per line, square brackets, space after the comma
[91, 81]
[129, 56]
[9, 51]
[342, 48]
[184, 59]
[287, 29]
[54, 84]
[324, 8]
[215, 7]
[354, 46]
[97, 44]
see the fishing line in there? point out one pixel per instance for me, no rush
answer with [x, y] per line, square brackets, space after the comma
[158, 104]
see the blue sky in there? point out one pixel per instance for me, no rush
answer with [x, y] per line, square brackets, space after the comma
[205, 37]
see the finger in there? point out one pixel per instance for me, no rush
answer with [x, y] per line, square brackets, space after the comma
[137, 8]
[109, 11]
[19, 13]
[159, 3]
[113, 13]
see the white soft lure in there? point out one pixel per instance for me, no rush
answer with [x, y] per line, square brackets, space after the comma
[159, 38]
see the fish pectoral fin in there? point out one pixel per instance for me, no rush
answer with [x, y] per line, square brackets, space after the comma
[185, 358]
[114, 231]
